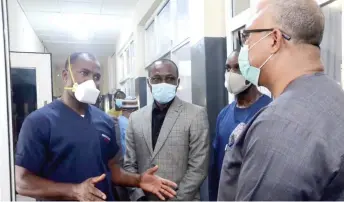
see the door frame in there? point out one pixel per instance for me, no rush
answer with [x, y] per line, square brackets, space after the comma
[7, 185]
[37, 77]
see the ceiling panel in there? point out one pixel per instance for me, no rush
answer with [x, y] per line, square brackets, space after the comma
[87, 1]
[58, 22]
[96, 49]
[81, 7]
[40, 5]
[118, 7]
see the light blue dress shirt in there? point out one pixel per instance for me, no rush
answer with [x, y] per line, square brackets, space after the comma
[123, 124]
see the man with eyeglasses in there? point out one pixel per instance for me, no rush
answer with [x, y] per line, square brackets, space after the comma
[170, 133]
[233, 118]
[293, 149]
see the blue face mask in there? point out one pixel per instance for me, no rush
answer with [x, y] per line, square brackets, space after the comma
[250, 73]
[163, 92]
[119, 103]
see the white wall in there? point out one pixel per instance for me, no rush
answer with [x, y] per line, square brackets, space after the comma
[22, 36]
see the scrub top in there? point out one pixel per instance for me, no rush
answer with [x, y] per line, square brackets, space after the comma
[58, 144]
[231, 120]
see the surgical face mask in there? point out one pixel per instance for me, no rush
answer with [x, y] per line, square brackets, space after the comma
[249, 72]
[163, 92]
[119, 103]
[85, 92]
[235, 83]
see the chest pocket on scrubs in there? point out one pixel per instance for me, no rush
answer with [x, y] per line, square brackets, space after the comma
[105, 143]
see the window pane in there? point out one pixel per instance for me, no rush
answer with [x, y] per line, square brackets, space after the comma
[239, 6]
[182, 58]
[126, 63]
[331, 46]
[132, 57]
[236, 42]
[150, 41]
[133, 94]
[182, 31]
[164, 29]
[121, 63]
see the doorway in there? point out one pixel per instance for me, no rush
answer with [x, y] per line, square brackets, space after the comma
[24, 97]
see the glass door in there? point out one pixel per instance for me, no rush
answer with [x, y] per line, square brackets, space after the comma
[24, 97]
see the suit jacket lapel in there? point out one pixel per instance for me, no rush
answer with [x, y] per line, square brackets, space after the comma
[170, 119]
[147, 128]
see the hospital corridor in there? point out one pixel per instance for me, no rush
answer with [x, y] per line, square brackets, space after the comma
[187, 100]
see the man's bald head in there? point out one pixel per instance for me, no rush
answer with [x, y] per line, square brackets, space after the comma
[233, 56]
[232, 62]
[84, 66]
[302, 20]
[81, 56]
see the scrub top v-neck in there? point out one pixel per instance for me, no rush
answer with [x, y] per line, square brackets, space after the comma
[58, 144]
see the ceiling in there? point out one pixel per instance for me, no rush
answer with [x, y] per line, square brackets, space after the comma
[66, 26]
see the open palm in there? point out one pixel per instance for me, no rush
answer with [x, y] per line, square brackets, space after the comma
[159, 186]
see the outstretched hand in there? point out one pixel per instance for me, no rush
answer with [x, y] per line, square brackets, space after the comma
[159, 186]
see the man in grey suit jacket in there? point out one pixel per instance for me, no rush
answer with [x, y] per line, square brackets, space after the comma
[171, 134]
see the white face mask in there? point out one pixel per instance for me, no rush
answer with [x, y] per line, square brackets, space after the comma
[85, 92]
[235, 83]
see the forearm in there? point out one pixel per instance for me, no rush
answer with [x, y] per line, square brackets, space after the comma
[40, 188]
[122, 177]
[126, 179]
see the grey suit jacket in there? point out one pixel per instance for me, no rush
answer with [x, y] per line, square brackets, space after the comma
[181, 151]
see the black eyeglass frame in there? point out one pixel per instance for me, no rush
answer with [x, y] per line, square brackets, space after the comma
[249, 31]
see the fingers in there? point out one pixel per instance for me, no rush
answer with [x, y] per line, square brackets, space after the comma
[152, 170]
[169, 183]
[170, 192]
[166, 193]
[91, 197]
[96, 192]
[95, 180]
[160, 196]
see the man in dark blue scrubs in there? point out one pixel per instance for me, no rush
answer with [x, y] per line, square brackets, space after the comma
[233, 118]
[67, 149]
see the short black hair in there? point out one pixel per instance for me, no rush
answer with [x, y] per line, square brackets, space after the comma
[119, 93]
[162, 61]
[75, 56]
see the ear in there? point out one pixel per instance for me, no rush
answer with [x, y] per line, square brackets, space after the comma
[65, 76]
[277, 40]
[178, 82]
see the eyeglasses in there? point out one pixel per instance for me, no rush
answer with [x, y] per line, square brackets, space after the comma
[245, 34]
